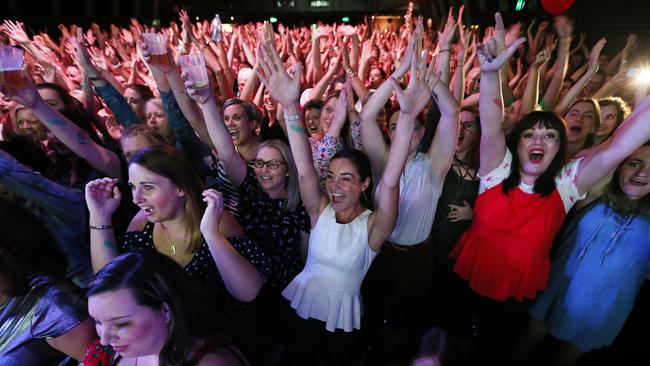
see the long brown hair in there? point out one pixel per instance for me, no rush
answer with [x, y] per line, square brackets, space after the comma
[166, 162]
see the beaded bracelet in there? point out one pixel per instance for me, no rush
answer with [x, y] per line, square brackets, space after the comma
[292, 117]
[100, 227]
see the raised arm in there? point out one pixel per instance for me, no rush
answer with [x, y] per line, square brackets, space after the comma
[411, 101]
[241, 278]
[444, 142]
[371, 136]
[65, 130]
[582, 82]
[564, 28]
[286, 91]
[103, 198]
[531, 91]
[233, 163]
[629, 136]
[493, 144]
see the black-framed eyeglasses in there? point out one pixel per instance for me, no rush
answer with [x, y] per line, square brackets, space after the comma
[271, 164]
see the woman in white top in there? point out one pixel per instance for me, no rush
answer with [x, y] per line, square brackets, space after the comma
[346, 235]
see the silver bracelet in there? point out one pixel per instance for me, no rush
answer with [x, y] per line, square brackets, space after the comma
[100, 227]
[292, 117]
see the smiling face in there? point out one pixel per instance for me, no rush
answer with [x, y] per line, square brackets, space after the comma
[608, 120]
[312, 122]
[28, 125]
[159, 198]
[580, 121]
[634, 177]
[272, 181]
[269, 104]
[131, 329]
[157, 120]
[537, 148]
[344, 185]
[240, 127]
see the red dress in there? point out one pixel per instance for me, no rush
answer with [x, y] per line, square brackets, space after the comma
[505, 252]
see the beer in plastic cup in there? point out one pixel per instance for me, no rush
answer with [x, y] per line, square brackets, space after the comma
[194, 65]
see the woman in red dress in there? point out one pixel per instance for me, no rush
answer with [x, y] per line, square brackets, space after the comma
[526, 190]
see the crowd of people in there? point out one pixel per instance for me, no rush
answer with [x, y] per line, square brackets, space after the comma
[333, 195]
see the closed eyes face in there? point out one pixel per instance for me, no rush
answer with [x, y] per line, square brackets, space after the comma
[581, 121]
[131, 329]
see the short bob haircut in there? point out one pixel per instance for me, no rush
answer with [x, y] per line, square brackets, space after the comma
[591, 138]
[291, 183]
[619, 202]
[167, 162]
[362, 164]
[27, 248]
[252, 112]
[155, 280]
[545, 183]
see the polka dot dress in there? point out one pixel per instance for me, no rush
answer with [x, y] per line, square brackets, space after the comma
[277, 230]
[239, 319]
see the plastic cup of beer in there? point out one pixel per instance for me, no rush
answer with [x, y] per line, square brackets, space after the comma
[194, 65]
[157, 45]
[11, 64]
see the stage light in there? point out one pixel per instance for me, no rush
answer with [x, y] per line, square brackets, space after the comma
[345, 19]
[273, 19]
[640, 74]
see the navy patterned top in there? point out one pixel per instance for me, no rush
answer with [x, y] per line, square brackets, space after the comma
[278, 231]
[237, 318]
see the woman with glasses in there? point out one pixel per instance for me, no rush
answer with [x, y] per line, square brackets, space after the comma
[270, 209]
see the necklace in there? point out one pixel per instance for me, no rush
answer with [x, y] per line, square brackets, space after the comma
[172, 247]
[464, 174]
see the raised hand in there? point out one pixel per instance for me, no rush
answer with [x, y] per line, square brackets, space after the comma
[201, 95]
[213, 212]
[541, 58]
[16, 32]
[421, 84]
[563, 26]
[444, 38]
[410, 49]
[490, 60]
[595, 52]
[82, 56]
[102, 197]
[284, 89]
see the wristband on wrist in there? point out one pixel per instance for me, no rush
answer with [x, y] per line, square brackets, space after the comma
[444, 50]
[100, 227]
[95, 78]
[292, 117]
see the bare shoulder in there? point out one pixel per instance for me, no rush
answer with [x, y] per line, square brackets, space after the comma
[138, 222]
